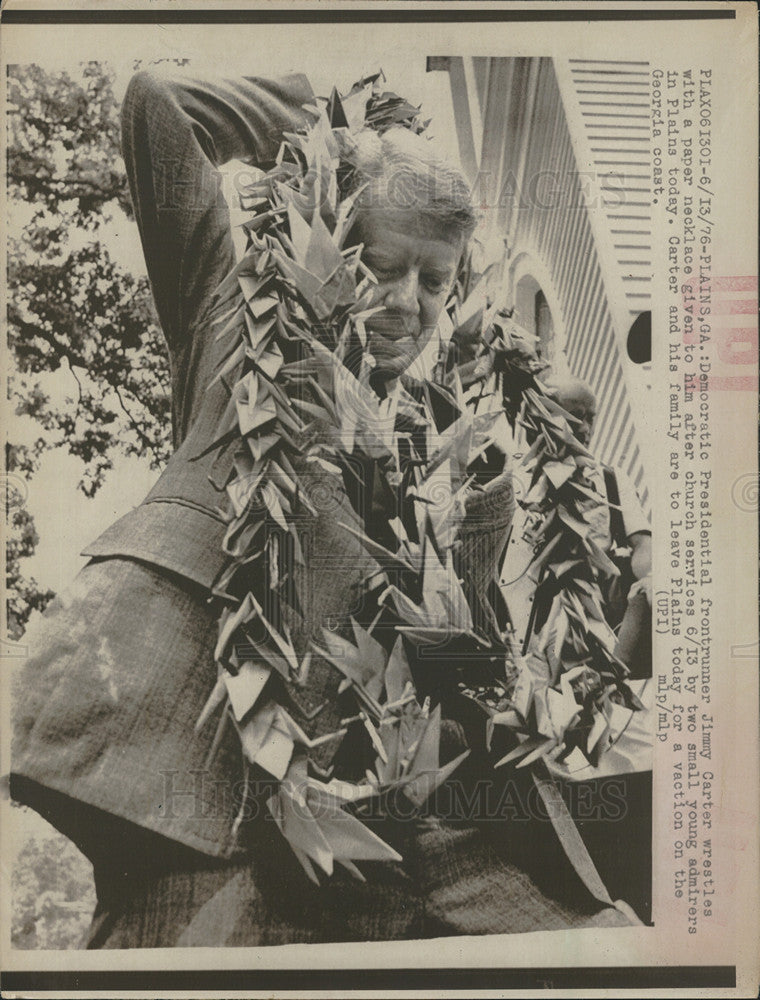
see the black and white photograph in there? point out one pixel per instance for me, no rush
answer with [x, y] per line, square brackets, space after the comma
[332, 452]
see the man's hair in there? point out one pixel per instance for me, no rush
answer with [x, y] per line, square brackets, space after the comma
[401, 170]
[566, 386]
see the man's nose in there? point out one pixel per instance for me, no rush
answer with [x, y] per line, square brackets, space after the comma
[403, 294]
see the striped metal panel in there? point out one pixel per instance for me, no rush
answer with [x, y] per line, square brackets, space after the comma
[563, 239]
[523, 133]
[613, 96]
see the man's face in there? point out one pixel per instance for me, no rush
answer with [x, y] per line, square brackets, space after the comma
[581, 404]
[415, 264]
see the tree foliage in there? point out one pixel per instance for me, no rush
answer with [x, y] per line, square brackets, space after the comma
[53, 894]
[90, 363]
[64, 144]
[24, 595]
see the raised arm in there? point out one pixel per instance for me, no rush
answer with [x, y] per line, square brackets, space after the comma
[176, 131]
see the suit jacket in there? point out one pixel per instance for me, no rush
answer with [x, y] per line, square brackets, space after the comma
[175, 133]
[156, 638]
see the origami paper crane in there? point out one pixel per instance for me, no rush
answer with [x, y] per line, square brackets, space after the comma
[320, 832]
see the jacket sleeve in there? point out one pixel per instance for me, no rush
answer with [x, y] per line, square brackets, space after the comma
[176, 131]
[634, 518]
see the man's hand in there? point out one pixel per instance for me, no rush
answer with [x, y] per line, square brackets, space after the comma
[642, 586]
[641, 554]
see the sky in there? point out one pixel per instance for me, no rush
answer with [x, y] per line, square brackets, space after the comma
[66, 520]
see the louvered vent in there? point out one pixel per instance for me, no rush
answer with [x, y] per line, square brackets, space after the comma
[613, 97]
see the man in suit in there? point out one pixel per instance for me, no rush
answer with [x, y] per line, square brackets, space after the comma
[624, 532]
[621, 528]
[123, 662]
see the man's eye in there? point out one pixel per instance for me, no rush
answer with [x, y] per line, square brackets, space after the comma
[434, 283]
[375, 259]
[381, 269]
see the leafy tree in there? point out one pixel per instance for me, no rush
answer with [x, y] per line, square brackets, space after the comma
[72, 309]
[53, 894]
[24, 595]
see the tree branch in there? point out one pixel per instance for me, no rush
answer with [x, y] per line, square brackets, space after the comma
[32, 330]
[135, 425]
[79, 389]
[57, 186]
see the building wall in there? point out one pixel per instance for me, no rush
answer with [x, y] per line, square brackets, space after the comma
[549, 224]
[531, 190]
